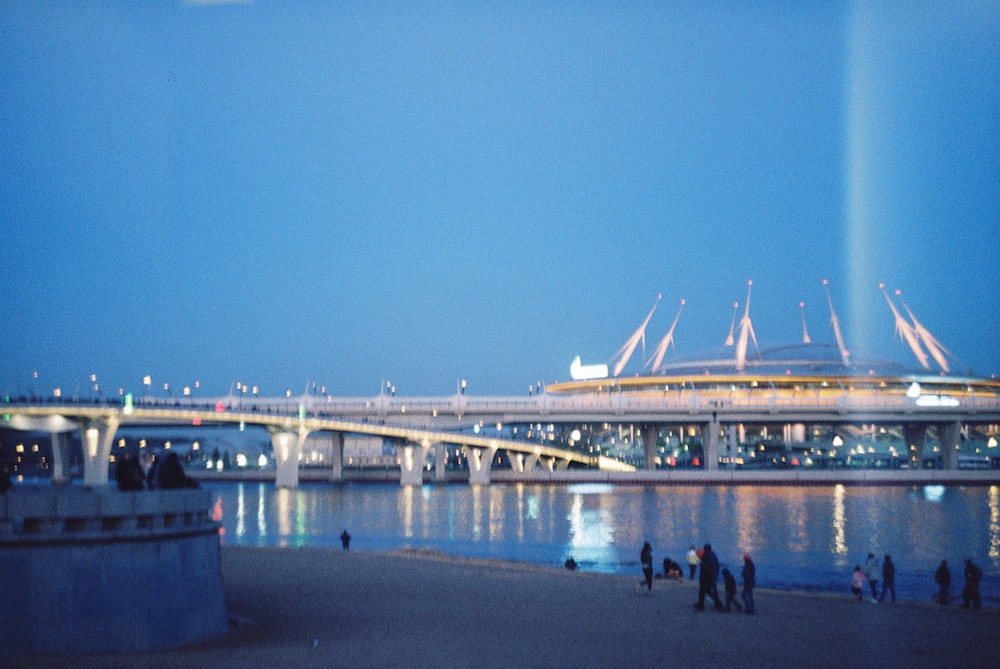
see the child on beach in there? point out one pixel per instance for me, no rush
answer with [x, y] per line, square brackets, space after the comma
[858, 582]
[730, 583]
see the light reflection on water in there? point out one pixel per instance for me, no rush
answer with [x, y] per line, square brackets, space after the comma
[801, 537]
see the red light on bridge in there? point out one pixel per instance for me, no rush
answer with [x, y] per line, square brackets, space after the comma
[220, 407]
[196, 421]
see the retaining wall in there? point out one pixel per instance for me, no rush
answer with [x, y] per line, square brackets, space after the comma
[98, 570]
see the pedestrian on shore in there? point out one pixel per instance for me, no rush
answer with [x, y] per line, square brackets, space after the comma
[857, 582]
[693, 561]
[970, 593]
[749, 574]
[671, 569]
[708, 579]
[646, 559]
[943, 578]
[730, 584]
[570, 563]
[345, 539]
[873, 572]
[888, 579]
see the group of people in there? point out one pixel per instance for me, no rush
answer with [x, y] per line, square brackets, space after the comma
[942, 576]
[150, 473]
[872, 573]
[970, 592]
[705, 564]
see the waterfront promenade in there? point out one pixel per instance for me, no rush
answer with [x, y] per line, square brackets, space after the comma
[329, 608]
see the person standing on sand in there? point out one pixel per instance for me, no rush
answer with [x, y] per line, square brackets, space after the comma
[888, 579]
[873, 571]
[646, 560]
[973, 574]
[693, 561]
[749, 575]
[943, 578]
[708, 579]
[345, 539]
[857, 582]
[730, 582]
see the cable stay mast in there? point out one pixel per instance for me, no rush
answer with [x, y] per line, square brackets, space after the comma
[665, 343]
[624, 354]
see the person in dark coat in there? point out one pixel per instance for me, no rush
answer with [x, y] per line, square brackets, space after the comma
[749, 575]
[943, 578]
[970, 593]
[730, 583]
[128, 473]
[888, 579]
[345, 539]
[708, 578]
[172, 475]
[646, 559]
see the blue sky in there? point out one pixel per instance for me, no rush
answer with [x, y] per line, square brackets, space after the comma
[350, 193]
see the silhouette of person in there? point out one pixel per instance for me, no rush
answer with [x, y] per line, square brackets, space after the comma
[171, 474]
[857, 582]
[749, 574]
[970, 593]
[873, 571]
[345, 539]
[888, 578]
[646, 559]
[708, 578]
[571, 564]
[730, 583]
[943, 578]
[128, 472]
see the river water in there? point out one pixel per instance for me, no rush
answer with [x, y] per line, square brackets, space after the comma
[801, 538]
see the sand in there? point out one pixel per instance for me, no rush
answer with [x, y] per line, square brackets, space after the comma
[305, 607]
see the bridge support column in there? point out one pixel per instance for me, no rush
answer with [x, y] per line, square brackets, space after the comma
[480, 460]
[650, 434]
[710, 444]
[60, 456]
[916, 437]
[287, 447]
[516, 462]
[411, 463]
[949, 435]
[531, 462]
[337, 457]
[97, 437]
[440, 462]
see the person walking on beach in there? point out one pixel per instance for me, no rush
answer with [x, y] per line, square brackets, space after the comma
[888, 579]
[943, 578]
[970, 593]
[646, 560]
[345, 539]
[857, 582]
[873, 571]
[693, 560]
[708, 579]
[749, 575]
[730, 583]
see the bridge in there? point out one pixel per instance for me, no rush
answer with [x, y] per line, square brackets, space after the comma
[719, 415]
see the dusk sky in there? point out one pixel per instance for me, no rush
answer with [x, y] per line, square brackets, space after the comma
[350, 193]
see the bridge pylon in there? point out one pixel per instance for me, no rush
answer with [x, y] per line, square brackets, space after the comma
[287, 447]
[480, 461]
[97, 436]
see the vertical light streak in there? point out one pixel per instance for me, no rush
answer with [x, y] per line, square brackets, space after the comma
[861, 170]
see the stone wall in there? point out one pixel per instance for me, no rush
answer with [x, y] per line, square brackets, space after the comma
[98, 570]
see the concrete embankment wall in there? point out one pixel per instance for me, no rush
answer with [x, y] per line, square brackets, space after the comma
[90, 571]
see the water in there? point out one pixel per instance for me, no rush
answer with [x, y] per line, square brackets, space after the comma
[802, 538]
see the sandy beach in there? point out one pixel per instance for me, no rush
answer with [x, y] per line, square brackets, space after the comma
[304, 607]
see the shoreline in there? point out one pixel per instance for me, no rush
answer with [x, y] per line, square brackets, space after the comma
[312, 607]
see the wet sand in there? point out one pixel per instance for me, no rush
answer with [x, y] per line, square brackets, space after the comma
[306, 607]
